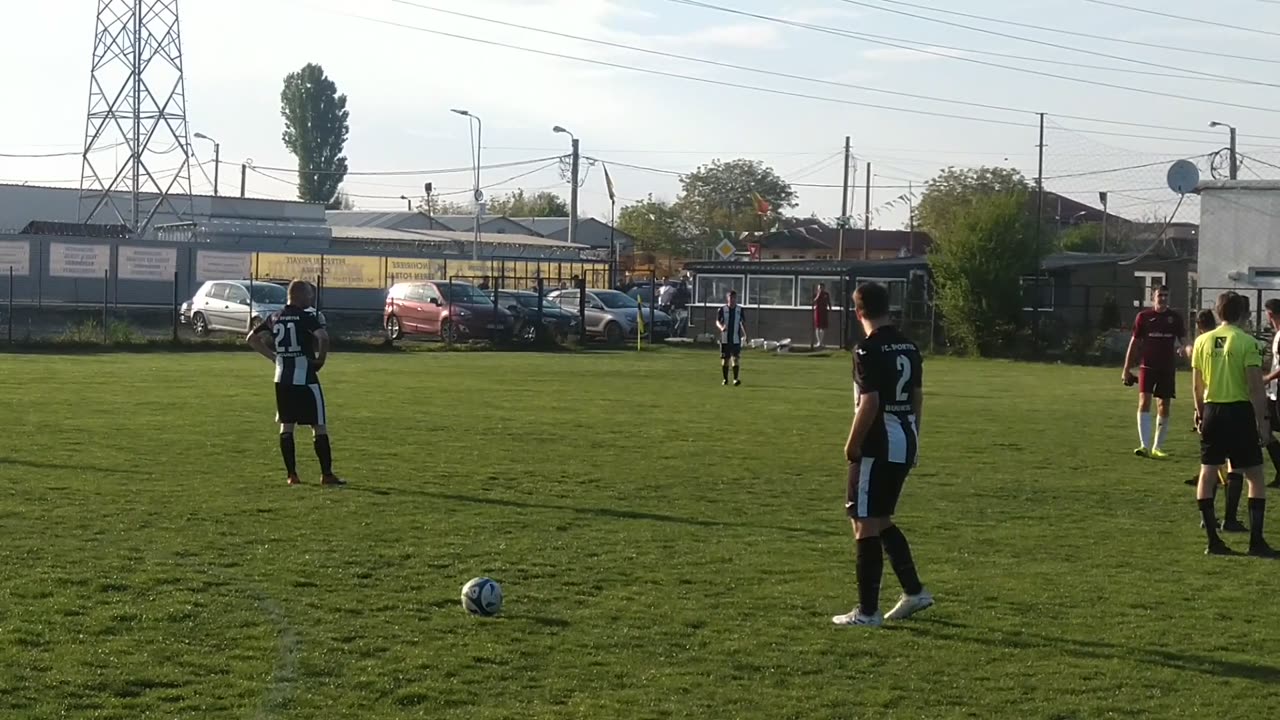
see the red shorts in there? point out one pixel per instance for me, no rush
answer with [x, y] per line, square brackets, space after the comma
[1158, 382]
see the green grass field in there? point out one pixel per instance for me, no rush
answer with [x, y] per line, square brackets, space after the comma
[668, 547]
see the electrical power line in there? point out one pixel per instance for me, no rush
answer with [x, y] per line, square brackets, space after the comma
[1090, 36]
[928, 47]
[773, 91]
[1184, 18]
[444, 171]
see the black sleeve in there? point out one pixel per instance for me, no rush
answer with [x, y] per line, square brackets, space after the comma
[720, 315]
[867, 373]
[918, 371]
[310, 322]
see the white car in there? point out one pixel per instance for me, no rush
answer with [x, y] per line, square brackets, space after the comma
[232, 305]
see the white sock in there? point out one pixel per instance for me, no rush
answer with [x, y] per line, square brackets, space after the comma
[1162, 429]
[820, 335]
[1144, 429]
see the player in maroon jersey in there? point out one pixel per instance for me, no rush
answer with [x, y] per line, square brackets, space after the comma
[1158, 338]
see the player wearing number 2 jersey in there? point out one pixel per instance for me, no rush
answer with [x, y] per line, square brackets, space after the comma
[881, 451]
[295, 339]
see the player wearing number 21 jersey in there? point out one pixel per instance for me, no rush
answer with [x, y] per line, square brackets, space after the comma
[295, 340]
[881, 451]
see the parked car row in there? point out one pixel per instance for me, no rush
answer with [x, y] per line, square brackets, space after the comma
[453, 311]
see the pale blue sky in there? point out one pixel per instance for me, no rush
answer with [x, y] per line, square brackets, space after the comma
[401, 84]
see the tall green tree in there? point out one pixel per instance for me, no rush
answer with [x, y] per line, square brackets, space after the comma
[981, 253]
[719, 196]
[536, 205]
[656, 225]
[444, 207]
[952, 191]
[315, 131]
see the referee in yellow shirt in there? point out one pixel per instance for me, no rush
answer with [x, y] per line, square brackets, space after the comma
[1232, 407]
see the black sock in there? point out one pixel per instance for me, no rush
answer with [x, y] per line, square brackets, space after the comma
[735, 372]
[724, 371]
[1273, 449]
[324, 454]
[1235, 487]
[287, 452]
[1257, 512]
[1210, 522]
[870, 572]
[899, 552]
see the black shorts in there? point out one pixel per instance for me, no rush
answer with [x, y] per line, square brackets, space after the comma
[1158, 383]
[730, 350]
[1229, 432]
[300, 405]
[1274, 407]
[874, 487]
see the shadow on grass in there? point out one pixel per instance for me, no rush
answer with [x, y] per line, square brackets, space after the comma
[614, 513]
[59, 466]
[1095, 650]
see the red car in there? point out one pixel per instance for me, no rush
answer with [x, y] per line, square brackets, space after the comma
[456, 312]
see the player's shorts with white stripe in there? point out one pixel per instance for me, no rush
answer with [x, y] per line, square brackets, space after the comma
[300, 405]
[874, 487]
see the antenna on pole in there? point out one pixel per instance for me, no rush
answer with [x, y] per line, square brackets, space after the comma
[137, 108]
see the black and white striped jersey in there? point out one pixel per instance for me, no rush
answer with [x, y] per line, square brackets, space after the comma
[888, 364]
[292, 330]
[732, 319]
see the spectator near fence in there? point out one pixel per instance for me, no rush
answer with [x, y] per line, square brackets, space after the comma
[821, 315]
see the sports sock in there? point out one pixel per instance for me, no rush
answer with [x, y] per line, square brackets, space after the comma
[1235, 487]
[735, 372]
[1162, 429]
[899, 552]
[324, 454]
[870, 572]
[1273, 449]
[287, 452]
[1257, 513]
[1144, 429]
[724, 372]
[1210, 522]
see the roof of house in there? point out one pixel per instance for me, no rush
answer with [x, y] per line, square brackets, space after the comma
[866, 268]
[362, 218]
[1264, 185]
[821, 237]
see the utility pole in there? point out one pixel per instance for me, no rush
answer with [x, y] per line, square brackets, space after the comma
[1035, 307]
[911, 218]
[866, 220]
[844, 198]
[1235, 159]
[244, 173]
[217, 165]
[408, 201]
[573, 194]
[1102, 248]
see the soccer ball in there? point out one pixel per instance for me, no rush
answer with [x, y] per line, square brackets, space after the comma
[482, 596]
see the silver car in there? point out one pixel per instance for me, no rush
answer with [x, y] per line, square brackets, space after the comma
[232, 305]
[611, 315]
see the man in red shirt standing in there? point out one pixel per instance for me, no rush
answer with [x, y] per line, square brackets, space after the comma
[821, 311]
[1158, 337]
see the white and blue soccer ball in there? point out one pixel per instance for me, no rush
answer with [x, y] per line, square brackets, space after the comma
[482, 596]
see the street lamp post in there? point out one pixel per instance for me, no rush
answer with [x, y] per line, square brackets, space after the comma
[1235, 163]
[573, 183]
[478, 195]
[408, 201]
[217, 159]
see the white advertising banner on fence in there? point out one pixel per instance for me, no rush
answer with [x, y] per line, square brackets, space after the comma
[211, 265]
[79, 261]
[139, 263]
[16, 255]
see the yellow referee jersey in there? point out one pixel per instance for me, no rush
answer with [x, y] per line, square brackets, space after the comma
[1223, 356]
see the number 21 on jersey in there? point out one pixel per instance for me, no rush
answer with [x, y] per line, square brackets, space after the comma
[287, 331]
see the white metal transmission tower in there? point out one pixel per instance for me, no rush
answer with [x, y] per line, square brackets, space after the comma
[136, 162]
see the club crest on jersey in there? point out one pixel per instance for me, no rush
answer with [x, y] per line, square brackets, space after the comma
[1219, 343]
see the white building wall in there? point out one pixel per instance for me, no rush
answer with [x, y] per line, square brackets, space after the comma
[1239, 238]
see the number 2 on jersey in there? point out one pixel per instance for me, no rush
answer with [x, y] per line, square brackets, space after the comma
[281, 331]
[904, 377]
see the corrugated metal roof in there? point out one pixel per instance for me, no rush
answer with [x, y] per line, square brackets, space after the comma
[341, 232]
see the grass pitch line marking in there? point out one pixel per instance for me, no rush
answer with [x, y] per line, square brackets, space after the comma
[288, 647]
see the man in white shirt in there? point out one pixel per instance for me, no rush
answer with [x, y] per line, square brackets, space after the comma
[1272, 379]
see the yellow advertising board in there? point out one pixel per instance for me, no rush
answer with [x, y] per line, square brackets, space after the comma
[340, 271]
[414, 269]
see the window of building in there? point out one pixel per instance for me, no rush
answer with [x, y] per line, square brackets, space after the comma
[1029, 293]
[711, 289]
[771, 290]
[1148, 281]
[897, 290]
[807, 287]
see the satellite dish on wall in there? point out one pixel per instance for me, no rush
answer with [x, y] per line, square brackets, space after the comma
[1184, 176]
